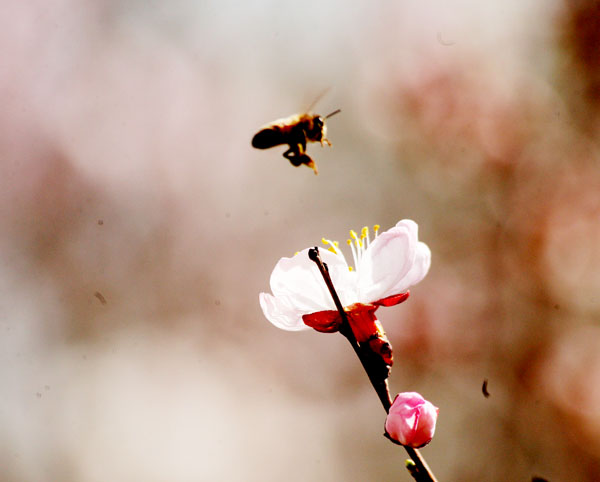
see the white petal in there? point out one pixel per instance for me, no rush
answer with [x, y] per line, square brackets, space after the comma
[280, 312]
[299, 281]
[344, 281]
[410, 225]
[387, 261]
[418, 271]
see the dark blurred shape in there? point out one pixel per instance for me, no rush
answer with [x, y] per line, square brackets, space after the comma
[484, 389]
[579, 32]
[99, 295]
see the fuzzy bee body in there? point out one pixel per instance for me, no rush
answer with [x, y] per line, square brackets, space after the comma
[295, 131]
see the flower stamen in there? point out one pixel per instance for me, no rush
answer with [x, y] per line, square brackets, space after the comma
[365, 235]
[333, 246]
[358, 244]
[354, 256]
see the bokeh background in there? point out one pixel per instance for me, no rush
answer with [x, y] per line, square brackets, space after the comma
[138, 227]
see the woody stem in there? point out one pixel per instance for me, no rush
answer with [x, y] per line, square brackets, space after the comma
[378, 380]
[373, 367]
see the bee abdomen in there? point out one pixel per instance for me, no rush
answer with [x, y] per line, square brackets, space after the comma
[268, 137]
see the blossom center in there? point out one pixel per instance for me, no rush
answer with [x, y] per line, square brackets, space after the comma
[358, 245]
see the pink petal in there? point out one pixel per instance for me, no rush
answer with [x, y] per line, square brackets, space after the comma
[411, 420]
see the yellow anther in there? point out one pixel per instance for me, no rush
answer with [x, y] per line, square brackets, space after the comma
[336, 244]
[332, 249]
[349, 242]
[364, 232]
[324, 241]
[349, 268]
[353, 234]
[376, 228]
[360, 243]
[296, 253]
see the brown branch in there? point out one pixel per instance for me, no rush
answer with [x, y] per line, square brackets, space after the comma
[376, 370]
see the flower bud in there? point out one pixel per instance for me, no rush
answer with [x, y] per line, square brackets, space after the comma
[411, 420]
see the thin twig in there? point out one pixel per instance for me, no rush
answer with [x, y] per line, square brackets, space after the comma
[379, 383]
[377, 373]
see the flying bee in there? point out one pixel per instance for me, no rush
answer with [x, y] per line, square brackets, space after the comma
[295, 131]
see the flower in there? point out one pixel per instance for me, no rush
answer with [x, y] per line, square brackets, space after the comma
[384, 270]
[411, 420]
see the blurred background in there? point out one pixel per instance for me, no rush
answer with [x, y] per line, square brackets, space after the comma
[138, 227]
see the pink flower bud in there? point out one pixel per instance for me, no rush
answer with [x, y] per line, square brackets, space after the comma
[411, 420]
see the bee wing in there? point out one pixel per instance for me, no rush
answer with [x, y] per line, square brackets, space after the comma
[319, 97]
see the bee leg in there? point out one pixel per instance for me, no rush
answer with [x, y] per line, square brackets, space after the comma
[325, 141]
[307, 161]
[312, 164]
[294, 154]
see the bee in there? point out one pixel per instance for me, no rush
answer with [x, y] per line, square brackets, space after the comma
[295, 131]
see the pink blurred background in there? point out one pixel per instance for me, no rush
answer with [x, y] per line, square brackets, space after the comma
[138, 227]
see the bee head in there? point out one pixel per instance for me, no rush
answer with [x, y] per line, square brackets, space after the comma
[317, 130]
